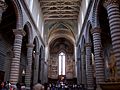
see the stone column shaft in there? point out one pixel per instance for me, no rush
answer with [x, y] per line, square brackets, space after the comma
[83, 67]
[99, 64]
[29, 66]
[42, 70]
[36, 67]
[89, 69]
[113, 11]
[15, 63]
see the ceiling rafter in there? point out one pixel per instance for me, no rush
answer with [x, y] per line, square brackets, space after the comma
[60, 9]
[48, 6]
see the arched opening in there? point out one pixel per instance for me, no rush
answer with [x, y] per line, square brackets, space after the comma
[7, 25]
[34, 74]
[23, 59]
[40, 64]
[61, 61]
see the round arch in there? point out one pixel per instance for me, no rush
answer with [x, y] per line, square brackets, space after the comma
[36, 42]
[19, 14]
[68, 27]
[29, 31]
[95, 20]
[61, 36]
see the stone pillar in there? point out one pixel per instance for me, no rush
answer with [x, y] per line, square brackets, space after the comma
[78, 71]
[15, 63]
[113, 11]
[42, 70]
[89, 69]
[99, 64]
[30, 47]
[83, 68]
[36, 67]
[3, 6]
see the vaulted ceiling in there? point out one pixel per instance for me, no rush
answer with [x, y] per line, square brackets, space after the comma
[60, 9]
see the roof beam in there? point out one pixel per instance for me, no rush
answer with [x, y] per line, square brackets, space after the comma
[50, 11]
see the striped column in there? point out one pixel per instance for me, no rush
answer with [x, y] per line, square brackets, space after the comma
[30, 47]
[89, 70]
[113, 11]
[15, 63]
[3, 7]
[99, 64]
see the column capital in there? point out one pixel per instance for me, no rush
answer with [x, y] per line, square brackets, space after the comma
[110, 2]
[88, 45]
[3, 5]
[96, 30]
[30, 45]
[19, 31]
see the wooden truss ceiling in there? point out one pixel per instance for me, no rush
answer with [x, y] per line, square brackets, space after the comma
[60, 9]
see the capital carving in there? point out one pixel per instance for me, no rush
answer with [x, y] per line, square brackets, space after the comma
[95, 30]
[3, 7]
[19, 31]
[30, 45]
[110, 2]
[88, 45]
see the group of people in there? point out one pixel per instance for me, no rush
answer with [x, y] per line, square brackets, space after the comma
[63, 86]
[38, 86]
[9, 86]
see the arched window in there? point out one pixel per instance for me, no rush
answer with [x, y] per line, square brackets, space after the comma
[61, 63]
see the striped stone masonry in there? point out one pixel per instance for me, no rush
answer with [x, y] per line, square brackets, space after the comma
[99, 64]
[15, 63]
[3, 7]
[112, 7]
[89, 69]
[30, 47]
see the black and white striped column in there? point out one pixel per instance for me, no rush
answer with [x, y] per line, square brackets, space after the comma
[30, 47]
[99, 64]
[15, 63]
[89, 69]
[113, 11]
[3, 7]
